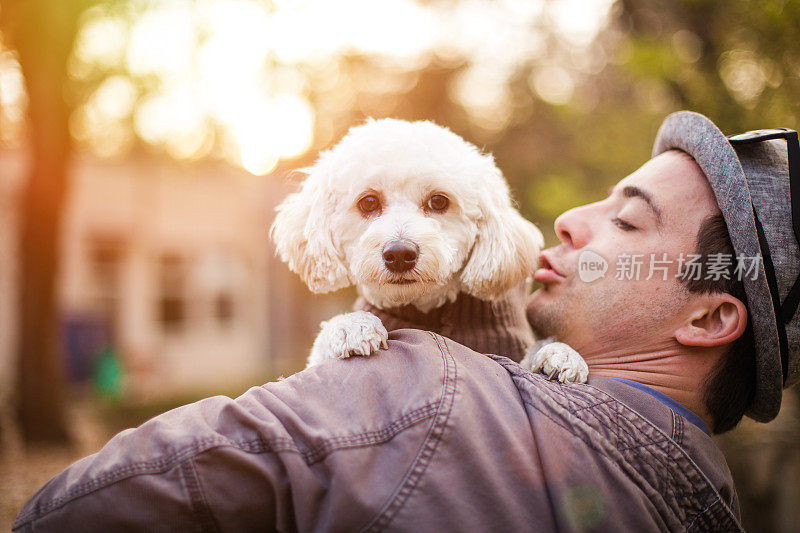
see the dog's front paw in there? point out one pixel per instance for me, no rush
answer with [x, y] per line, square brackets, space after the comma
[348, 334]
[558, 360]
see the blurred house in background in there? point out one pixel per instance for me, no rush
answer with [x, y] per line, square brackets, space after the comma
[166, 269]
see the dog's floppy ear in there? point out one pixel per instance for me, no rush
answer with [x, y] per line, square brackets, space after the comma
[506, 250]
[303, 234]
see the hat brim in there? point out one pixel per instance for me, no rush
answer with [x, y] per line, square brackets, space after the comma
[699, 137]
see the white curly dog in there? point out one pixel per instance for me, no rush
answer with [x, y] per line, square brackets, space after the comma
[410, 213]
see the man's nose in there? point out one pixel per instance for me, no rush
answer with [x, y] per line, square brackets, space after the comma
[573, 227]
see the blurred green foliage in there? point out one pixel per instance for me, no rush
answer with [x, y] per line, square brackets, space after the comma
[736, 61]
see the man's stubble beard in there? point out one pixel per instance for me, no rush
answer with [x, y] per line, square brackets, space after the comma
[602, 317]
[548, 319]
[544, 322]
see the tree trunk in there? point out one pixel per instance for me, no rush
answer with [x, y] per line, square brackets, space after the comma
[42, 32]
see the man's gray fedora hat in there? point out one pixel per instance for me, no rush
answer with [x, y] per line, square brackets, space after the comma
[749, 174]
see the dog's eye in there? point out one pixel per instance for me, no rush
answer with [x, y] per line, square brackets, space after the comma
[438, 202]
[369, 204]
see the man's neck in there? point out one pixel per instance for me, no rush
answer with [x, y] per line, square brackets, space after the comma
[679, 372]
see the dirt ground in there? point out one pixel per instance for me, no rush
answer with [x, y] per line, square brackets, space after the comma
[23, 471]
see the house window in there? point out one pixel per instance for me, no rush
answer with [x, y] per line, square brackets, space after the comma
[223, 308]
[172, 301]
[105, 260]
[220, 278]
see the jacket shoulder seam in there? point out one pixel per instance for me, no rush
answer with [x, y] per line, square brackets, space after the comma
[197, 498]
[428, 448]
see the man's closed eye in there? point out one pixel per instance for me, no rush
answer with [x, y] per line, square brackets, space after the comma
[624, 226]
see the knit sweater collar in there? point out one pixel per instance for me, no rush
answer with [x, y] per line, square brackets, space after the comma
[496, 326]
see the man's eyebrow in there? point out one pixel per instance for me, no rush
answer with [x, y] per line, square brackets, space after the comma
[631, 191]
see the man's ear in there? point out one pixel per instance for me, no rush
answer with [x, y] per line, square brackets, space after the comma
[716, 320]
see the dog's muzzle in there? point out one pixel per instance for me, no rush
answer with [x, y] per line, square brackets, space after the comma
[400, 256]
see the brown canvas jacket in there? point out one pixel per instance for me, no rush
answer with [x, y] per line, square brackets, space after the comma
[425, 436]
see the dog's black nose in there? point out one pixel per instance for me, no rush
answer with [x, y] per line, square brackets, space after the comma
[400, 256]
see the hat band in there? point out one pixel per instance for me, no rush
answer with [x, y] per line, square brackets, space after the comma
[783, 312]
[792, 301]
[772, 282]
[793, 151]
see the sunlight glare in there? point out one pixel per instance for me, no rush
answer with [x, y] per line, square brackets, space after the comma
[484, 93]
[162, 42]
[271, 130]
[102, 41]
[170, 118]
[553, 83]
[580, 20]
[115, 98]
[316, 29]
[13, 98]
[238, 72]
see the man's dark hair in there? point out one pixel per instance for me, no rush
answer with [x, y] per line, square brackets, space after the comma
[731, 384]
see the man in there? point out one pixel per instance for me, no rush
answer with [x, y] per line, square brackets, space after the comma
[429, 435]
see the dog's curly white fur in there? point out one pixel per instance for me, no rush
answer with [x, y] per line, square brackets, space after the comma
[557, 360]
[479, 244]
[357, 333]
